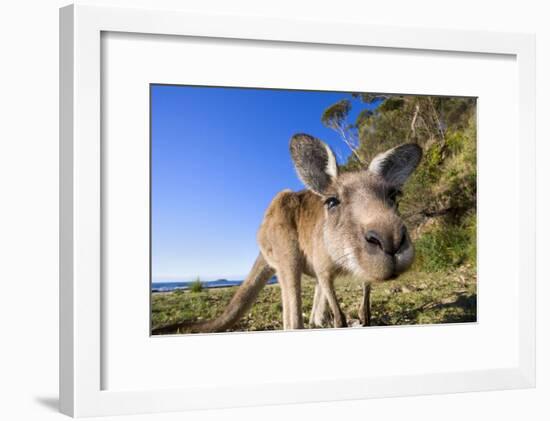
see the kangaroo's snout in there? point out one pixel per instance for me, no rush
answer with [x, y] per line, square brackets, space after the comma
[388, 242]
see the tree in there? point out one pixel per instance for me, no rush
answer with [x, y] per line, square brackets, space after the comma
[335, 118]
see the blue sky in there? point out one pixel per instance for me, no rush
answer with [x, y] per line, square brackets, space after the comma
[219, 155]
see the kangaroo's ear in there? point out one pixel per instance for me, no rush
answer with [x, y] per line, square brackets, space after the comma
[314, 162]
[397, 164]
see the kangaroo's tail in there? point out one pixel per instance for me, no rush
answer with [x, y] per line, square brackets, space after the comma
[242, 300]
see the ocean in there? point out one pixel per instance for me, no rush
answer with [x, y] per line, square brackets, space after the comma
[219, 283]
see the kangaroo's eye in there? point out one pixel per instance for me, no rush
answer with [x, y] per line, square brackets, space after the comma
[332, 202]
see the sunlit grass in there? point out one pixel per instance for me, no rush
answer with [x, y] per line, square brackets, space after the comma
[413, 298]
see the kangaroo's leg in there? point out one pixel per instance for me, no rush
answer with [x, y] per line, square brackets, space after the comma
[319, 315]
[364, 310]
[284, 301]
[327, 286]
[290, 280]
[317, 298]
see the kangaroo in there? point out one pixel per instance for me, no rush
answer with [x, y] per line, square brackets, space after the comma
[341, 224]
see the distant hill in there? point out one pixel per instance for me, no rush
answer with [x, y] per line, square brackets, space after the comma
[218, 283]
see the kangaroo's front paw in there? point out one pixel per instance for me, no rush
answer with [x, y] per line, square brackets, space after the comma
[320, 318]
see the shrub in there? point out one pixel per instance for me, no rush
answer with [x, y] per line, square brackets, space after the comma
[447, 246]
[196, 285]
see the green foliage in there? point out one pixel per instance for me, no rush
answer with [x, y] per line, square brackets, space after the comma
[391, 104]
[196, 285]
[370, 98]
[447, 246]
[334, 115]
[363, 117]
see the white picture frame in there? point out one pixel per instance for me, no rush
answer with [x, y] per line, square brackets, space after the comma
[82, 321]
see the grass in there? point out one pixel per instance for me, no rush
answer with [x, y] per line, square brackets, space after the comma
[414, 298]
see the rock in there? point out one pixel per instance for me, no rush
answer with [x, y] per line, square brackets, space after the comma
[354, 323]
[448, 300]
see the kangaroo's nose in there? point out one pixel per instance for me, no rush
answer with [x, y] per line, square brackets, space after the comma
[375, 239]
[385, 243]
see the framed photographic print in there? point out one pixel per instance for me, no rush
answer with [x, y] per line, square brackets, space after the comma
[336, 209]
